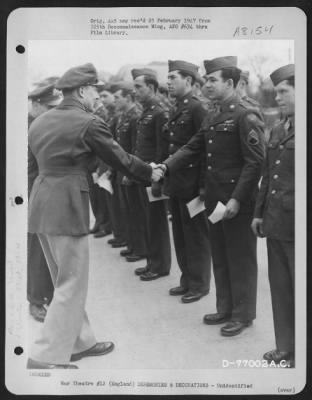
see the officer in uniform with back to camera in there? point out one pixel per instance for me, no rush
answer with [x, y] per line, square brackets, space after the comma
[190, 235]
[232, 138]
[274, 217]
[62, 143]
[39, 283]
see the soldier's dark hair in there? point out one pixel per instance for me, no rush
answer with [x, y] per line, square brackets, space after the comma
[184, 75]
[128, 92]
[151, 81]
[68, 92]
[163, 90]
[291, 81]
[231, 73]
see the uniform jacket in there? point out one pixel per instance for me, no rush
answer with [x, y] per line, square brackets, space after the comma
[126, 132]
[151, 141]
[276, 201]
[251, 101]
[233, 140]
[184, 122]
[108, 116]
[62, 143]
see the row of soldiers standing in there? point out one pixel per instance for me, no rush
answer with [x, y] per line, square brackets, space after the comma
[222, 161]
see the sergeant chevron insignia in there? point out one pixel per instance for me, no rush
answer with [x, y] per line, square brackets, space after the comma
[253, 138]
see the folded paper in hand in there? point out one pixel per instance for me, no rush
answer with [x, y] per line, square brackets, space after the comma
[105, 183]
[95, 177]
[152, 198]
[195, 206]
[217, 213]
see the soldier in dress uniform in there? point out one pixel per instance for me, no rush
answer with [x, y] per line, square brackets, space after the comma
[114, 202]
[242, 89]
[98, 197]
[62, 143]
[190, 235]
[39, 283]
[274, 216]
[129, 194]
[232, 139]
[152, 146]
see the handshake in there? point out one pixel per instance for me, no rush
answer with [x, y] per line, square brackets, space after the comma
[158, 171]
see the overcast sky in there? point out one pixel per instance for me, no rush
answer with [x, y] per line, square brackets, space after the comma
[54, 57]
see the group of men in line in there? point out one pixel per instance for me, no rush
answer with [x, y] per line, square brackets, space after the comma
[184, 145]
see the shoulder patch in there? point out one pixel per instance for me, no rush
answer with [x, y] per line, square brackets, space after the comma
[253, 138]
[244, 103]
[252, 117]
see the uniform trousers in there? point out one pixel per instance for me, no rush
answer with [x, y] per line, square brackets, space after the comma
[39, 283]
[66, 329]
[99, 205]
[136, 226]
[157, 228]
[281, 278]
[234, 257]
[117, 212]
[192, 247]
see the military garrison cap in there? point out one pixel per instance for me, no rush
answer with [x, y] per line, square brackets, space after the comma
[184, 67]
[282, 73]
[121, 85]
[46, 95]
[200, 80]
[47, 81]
[83, 75]
[148, 72]
[219, 63]
[245, 76]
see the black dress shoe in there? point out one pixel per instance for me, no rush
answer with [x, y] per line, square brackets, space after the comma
[33, 364]
[234, 328]
[98, 349]
[191, 296]
[37, 312]
[118, 244]
[217, 318]
[141, 270]
[125, 252]
[134, 258]
[101, 233]
[150, 276]
[277, 356]
[113, 240]
[178, 291]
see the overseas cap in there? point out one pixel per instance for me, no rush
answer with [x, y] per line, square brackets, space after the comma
[148, 72]
[245, 76]
[107, 87]
[47, 81]
[46, 95]
[282, 73]
[200, 80]
[184, 67]
[219, 63]
[83, 75]
[121, 85]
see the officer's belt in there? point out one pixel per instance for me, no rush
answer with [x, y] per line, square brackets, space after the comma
[62, 171]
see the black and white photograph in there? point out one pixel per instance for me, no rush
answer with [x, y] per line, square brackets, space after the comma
[152, 171]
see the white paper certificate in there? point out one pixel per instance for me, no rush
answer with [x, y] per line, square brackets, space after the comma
[161, 345]
[195, 206]
[152, 198]
[105, 183]
[217, 213]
